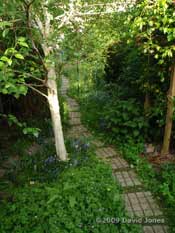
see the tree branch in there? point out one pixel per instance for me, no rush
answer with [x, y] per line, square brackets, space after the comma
[34, 89]
[30, 75]
[31, 36]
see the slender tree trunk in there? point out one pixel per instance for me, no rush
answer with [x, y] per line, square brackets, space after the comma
[78, 76]
[55, 107]
[147, 103]
[55, 114]
[46, 30]
[1, 106]
[169, 116]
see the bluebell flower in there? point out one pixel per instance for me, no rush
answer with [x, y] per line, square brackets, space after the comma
[50, 160]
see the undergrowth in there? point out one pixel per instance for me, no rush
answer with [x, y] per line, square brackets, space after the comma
[71, 196]
[122, 122]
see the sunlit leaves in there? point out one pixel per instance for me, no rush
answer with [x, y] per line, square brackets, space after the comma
[153, 26]
[6, 60]
[5, 32]
[19, 56]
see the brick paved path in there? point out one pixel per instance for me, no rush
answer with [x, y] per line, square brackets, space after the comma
[139, 202]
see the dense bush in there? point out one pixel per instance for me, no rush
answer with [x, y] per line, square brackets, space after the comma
[119, 118]
[136, 76]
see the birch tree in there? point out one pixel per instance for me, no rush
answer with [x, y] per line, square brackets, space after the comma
[49, 19]
[39, 16]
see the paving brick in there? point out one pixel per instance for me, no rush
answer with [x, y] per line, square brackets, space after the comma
[127, 178]
[73, 105]
[118, 163]
[148, 229]
[72, 102]
[142, 204]
[64, 93]
[74, 115]
[75, 121]
[87, 134]
[97, 143]
[106, 152]
[155, 229]
[78, 131]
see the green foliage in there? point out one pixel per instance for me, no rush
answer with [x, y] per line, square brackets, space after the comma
[133, 75]
[167, 187]
[83, 193]
[154, 28]
[10, 83]
[20, 66]
[124, 119]
[64, 110]
[131, 151]
[160, 180]
[12, 120]
[102, 111]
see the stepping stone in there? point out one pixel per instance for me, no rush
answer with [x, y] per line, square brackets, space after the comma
[75, 121]
[63, 89]
[65, 83]
[74, 114]
[74, 118]
[119, 163]
[72, 104]
[73, 108]
[64, 93]
[87, 135]
[78, 131]
[127, 179]
[106, 152]
[97, 143]
[155, 229]
[141, 204]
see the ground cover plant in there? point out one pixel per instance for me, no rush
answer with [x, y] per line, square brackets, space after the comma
[118, 57]
[69, 197]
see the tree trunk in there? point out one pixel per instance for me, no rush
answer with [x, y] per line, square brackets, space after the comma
[169, 116]
[46, 31]
[147, 103]
[1, 106]
[55, 114]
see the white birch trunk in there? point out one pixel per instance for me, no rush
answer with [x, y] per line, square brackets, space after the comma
[55, 114]
[46, 30]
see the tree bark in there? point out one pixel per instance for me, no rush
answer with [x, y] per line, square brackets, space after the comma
[1, 106]
[169, 116]
[46, 30]
[54, 106]
[55, 114]
[147, 103]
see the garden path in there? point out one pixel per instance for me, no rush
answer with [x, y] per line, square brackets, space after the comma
[139, 202]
